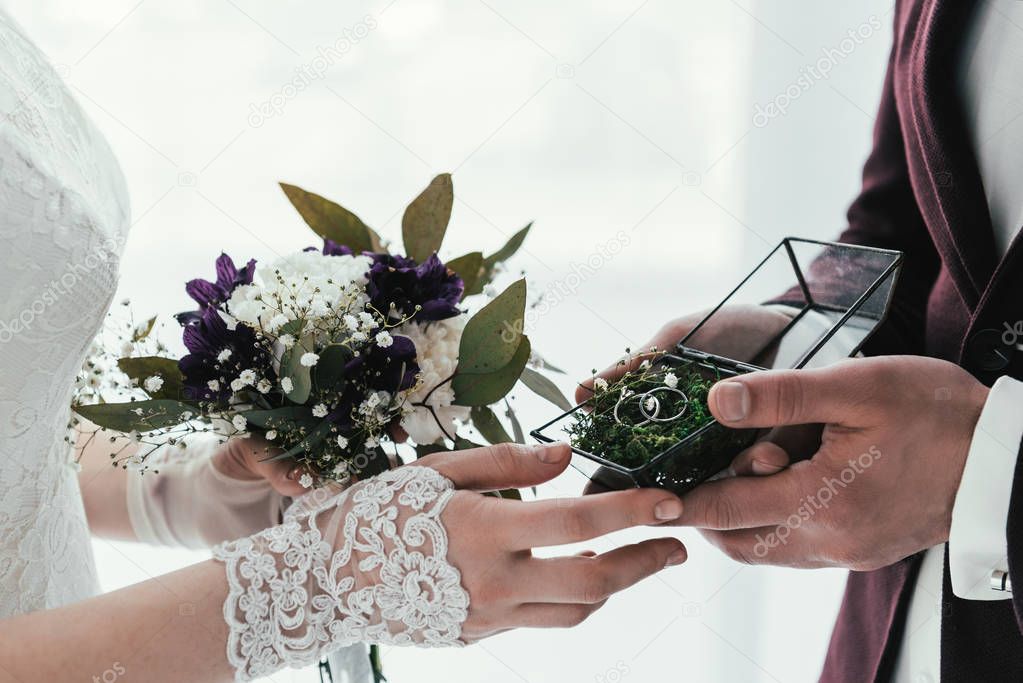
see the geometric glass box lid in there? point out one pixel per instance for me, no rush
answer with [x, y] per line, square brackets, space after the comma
[834, 296]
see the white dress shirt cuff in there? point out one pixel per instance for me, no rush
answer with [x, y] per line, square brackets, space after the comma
[977, 544]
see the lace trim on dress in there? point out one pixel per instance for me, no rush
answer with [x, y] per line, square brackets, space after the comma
[365, 565]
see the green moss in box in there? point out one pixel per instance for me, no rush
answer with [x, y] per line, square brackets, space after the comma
[659, 390]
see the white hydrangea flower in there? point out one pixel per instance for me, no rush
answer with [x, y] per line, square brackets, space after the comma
[237, 384]
[437, 356]
[600, 384]
[271, 435]
[309, 359]
[671, 380]
[305, 481]
[264, 386]
[384, 339]
[224, 355]
[359, 337]
[248, 376]
[372, 442]
[287, 385]
[239, 423]
[305, 285]
[286, 340]
[319, 410]
[153, 383]
[214, 384]
[342, 442]
[367, 320]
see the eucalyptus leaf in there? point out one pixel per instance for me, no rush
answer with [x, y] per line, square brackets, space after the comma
[484, 388]
[141, 416]
[509, 249]
[544, 388]
[517, 431]
[301, 376]
[332, 221]
[469, 267]
[329, 371]
[510, 494]
[426, 218]
[488, 424]
[425, 449]
[275, 417]
[493, 336]
[463, 444]
[139, 369]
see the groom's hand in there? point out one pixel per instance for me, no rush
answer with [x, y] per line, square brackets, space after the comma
[883, 482]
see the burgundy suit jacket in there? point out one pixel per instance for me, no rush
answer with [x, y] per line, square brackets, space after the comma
[922, 194]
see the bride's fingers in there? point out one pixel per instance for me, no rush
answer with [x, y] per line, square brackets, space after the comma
[572, 520]
[541, 615]
[500, 467]
[594, 580]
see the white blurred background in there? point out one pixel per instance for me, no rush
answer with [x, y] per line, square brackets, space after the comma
[629, 123]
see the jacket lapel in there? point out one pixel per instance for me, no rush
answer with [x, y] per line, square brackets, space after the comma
[952, 195]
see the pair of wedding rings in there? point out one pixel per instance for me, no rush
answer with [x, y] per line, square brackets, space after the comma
[650, 406]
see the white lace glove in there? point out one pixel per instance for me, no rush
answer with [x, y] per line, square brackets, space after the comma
[364, 565]
[190, 503]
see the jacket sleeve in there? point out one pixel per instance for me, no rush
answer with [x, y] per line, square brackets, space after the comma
[886, 215]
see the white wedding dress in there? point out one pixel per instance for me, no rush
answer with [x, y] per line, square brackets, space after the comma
[63, 220]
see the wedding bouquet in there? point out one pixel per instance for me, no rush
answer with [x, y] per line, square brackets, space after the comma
[331, 351]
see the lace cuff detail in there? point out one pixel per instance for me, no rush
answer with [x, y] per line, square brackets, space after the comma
[364, 565]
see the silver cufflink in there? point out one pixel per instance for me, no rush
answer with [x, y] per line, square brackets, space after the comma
[1000, 581]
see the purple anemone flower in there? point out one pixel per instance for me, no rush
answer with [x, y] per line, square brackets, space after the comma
[206, 293]
[332, 248]
[206, 338]
[406, 284]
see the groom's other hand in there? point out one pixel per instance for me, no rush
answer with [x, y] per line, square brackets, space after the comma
[880, 487]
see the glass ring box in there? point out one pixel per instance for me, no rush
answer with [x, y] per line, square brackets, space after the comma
[823, 301]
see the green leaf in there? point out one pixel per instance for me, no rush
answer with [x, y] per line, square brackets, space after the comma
[329, 371]
[544, 388]
[332, 221]
[541, 362]
[502, 254]
[426, 218]
[139, 369]
[487, 424]
[484, 388]
[493, 336]
[510, 494]
[301, 376]
[425, 449]
[517, 432]
[143, 330]
[469, 267]
[125, 417]
[276, 417]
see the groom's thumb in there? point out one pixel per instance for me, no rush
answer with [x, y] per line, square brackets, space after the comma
[782, 397]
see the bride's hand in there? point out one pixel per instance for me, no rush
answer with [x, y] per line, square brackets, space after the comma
[418, 556]
[491, 540]
[248, 459]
